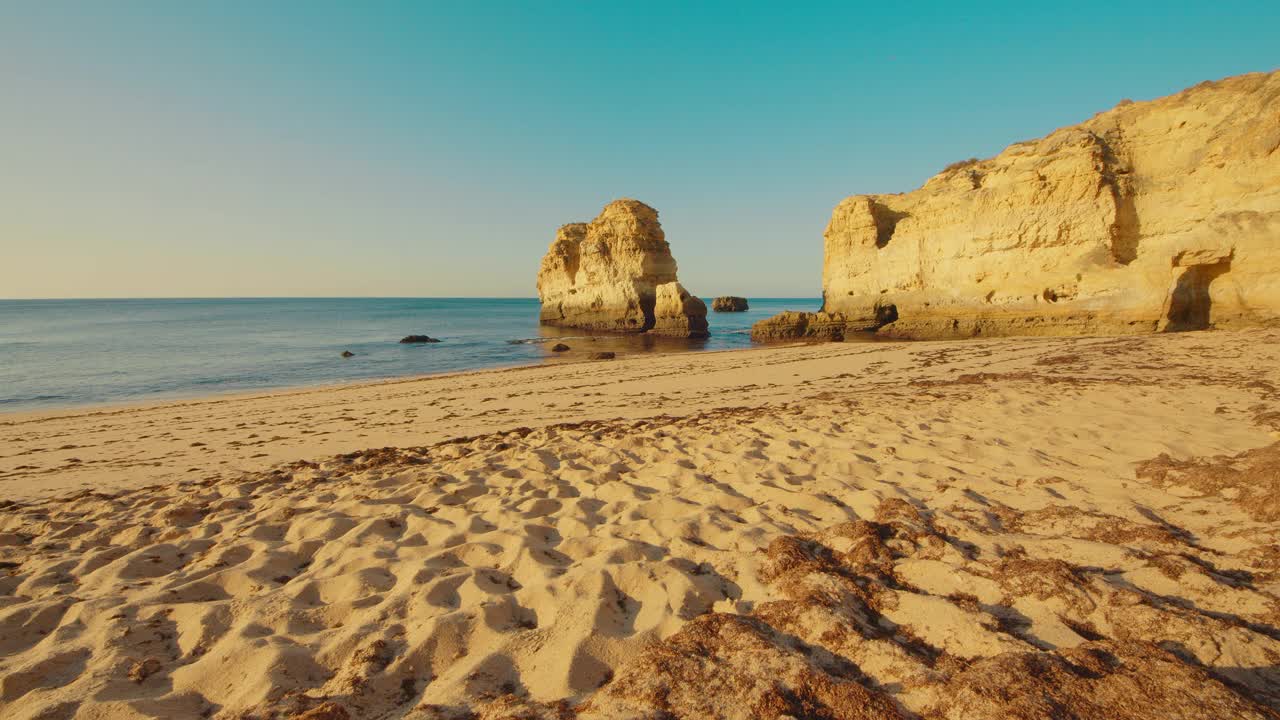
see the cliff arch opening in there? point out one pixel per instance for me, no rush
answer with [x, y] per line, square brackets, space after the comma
[1190, 303]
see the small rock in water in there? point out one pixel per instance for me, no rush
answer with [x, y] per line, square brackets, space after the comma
[559, 347]
[418, 339]
[347, 354]
[603, 356]
[729, 303]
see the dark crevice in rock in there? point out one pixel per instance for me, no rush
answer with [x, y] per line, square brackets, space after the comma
[1126, 229]
[886, 221]
[1124, 233]
[648, 301]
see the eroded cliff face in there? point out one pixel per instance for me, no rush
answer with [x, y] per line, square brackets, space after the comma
[616, 274]
[1152, 216]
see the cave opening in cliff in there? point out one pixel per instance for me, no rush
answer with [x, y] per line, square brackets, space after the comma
[648, 306]
[1190, 303]
[885, 314]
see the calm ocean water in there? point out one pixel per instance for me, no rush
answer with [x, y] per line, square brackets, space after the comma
[58, 353]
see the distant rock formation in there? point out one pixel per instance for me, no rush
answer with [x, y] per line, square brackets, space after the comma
[1152, 216]
[729, 303]
[616, 274]
[413, 339]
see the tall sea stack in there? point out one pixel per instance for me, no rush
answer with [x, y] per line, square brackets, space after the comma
[616, 274]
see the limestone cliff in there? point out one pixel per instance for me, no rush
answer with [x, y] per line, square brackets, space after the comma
[1152, 216]
[617, 274]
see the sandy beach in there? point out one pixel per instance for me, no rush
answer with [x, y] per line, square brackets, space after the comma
[639, 361]
[1016, 528]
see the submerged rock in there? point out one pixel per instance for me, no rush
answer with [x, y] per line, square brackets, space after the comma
[409, 339]
[612, 273]
[347, 354]
[1151, 216]
[729, 303]
[603, 356]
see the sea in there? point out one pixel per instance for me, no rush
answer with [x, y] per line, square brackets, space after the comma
[76, 353]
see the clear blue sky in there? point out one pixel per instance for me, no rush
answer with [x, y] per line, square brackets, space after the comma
[431, 149]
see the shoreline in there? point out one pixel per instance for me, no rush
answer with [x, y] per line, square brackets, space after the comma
[101, 357]
[233, 395]
[71, 419]
[6, 416]
[46, 453]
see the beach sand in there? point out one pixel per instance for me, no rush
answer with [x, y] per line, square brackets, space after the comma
[1013, 528]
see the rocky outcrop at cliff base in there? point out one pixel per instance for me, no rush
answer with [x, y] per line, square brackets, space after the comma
[792, 325]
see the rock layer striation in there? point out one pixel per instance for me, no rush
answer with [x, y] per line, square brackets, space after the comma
[617, 274]
[1151, 216]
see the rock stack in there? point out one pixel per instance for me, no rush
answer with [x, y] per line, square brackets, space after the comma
[616, 274]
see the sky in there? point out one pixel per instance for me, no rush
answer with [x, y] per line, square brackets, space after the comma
[416, 149]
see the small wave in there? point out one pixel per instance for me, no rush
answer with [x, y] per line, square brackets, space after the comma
[541, 340]
[32, 399]
[207, 381]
